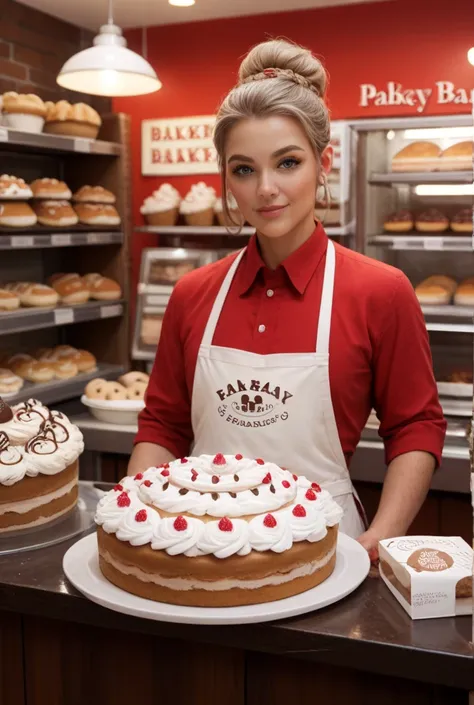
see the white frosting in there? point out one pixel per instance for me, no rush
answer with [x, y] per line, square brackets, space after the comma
[231, 203]
[13, 464]
[26, 422]
[16, 189]
[258, 506]
[199, 198]
[163, 199]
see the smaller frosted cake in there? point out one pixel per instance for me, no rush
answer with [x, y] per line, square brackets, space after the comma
[39, 451]
[217, 531]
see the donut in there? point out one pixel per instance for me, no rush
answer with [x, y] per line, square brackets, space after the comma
[130, 378]
[96, 389]
[114, 391]
[137, 391]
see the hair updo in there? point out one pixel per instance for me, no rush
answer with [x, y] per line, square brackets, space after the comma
[276, 78]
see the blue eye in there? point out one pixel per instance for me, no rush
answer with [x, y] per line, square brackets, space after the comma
[289, 163]
[242, 170]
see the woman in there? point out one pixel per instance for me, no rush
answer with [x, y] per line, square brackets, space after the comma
[243, 361]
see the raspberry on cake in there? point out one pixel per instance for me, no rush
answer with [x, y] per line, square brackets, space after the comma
[39, 451]
[219, 530]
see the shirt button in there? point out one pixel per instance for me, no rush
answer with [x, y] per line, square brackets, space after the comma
[261, 328]
[270, 293]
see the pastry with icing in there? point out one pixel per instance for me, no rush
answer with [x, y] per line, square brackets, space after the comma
[39, 451]
[197, 206]
[162, 207]
[218, 530]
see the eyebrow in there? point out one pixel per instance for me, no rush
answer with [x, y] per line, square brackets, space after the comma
[278, 153]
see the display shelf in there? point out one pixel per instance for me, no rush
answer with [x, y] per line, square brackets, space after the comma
[217, 230]
[426, 242]
[449, 311]
[61, 390]
[59, 239]
[420, 177]
[32, 142]
[457, 407]
[457, 390]
[27, 319]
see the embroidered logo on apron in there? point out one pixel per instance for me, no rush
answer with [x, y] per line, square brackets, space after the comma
[253, 404]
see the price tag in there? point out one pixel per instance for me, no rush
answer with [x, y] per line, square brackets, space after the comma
[61, 240]
[63, 316]
[111, 311]
[22, 241]
[82, 145]
[3, 134]
[93, 238]
[434, 243]
[399, 244]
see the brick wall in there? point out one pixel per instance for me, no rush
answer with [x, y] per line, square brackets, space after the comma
[33, 47]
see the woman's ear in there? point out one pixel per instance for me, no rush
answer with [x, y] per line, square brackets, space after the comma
[327, 159]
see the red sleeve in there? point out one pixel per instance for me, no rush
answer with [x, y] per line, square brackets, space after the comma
[405, 391]
[166, 419]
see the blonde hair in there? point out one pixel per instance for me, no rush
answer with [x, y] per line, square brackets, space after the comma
[295, 88]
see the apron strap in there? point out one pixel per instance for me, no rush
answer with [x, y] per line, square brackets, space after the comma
[338, 487]
[324, 325]
[219, 302]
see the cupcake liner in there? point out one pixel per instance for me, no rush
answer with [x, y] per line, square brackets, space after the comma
[201, 218]
[163, 218]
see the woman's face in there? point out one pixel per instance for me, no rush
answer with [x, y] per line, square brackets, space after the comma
[273, 173]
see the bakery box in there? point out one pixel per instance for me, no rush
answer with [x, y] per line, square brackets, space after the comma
[430, 576]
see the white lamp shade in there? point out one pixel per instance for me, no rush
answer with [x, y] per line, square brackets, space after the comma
[109, 68]
[470, 56]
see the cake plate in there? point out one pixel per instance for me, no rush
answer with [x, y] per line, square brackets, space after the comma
[81, 566]
[79, 520]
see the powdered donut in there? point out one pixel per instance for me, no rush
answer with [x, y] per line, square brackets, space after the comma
[137, 391]
[130, 378]
[114, 391]
[96, 389]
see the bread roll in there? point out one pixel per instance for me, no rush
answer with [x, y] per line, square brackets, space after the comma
[464, 295]
[417, 156]
[71, 289]
[94, 194]
[16, 214]
[50, 189]
[101, 288]
[457, 157]
[55, 214]
[436, 290]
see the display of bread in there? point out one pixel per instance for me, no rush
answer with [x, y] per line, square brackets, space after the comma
[458, 157]
[437, 289]
[162, 207]
[39, 452]
[51, 189]
[32, 294]
[431, 220]
[17, 214]
[399, 222]
[461, 222]
[460, 377]
[23, 111]
[102, 288]
[12, 188]
[97, 214]
[76, 120]
[417, 156]
[464, 294]
[217, 531]
[9, 301]
[55, 214]
[71, 288]
[130, 386]
[94, 194]
[46, 364]
[10, 383]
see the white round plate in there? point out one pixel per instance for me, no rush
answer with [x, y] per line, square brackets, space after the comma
[118, 412]
[81, 566]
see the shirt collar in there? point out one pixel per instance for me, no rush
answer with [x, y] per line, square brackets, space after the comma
[299, 266]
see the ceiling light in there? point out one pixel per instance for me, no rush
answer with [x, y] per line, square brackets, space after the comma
[438, 132]
[444, 190]
[470, 56]
[182, 3]
[109, 68]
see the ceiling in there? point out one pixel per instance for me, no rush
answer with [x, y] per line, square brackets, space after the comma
[91, 14]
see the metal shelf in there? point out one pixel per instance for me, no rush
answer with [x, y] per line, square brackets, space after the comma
[61, 239]
[420, 177]
[27, 319]
[428, 243]
[450, 311]
[61, 390]
[457, 407]
[42, 142]
[217, 230]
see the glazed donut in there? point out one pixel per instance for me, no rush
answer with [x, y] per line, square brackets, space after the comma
[137, 391]
[96, 389]
[114, 391]
[130, 378]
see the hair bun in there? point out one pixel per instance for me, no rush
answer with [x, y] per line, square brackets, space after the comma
[282, 54]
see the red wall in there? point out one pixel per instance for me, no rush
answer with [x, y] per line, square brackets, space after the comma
[412, 42]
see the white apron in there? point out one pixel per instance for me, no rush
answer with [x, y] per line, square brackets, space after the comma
[277, 407]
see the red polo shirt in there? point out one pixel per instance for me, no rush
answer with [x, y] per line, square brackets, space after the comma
[379, 349]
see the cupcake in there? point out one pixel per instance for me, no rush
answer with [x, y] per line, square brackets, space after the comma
[162, 207]
[198, 205]
[233, 210]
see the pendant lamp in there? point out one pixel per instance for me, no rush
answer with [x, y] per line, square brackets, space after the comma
[109, 68]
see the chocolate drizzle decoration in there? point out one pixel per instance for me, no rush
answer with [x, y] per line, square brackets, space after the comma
[54, 430]
[183, 491]
[36, 444]
[5, 448]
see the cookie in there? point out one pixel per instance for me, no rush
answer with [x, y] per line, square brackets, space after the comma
[137, 390]
[96, 389]
[130, 378]
[114, 391]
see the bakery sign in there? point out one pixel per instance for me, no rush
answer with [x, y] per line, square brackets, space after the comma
[395, 94]
[178, 146]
